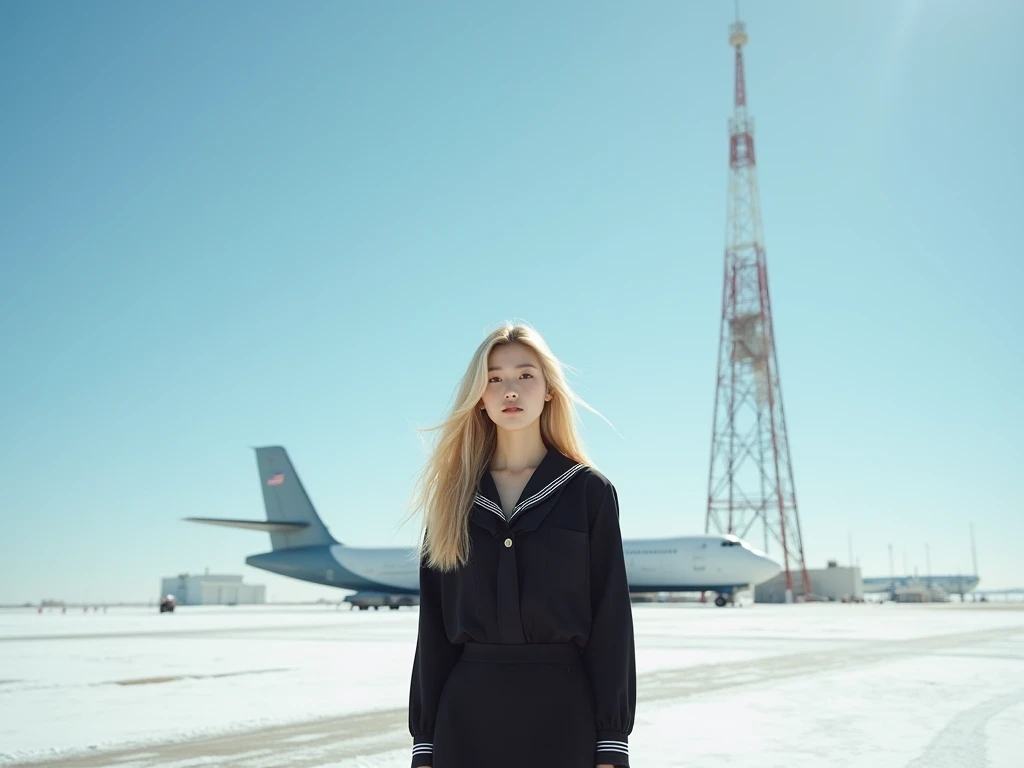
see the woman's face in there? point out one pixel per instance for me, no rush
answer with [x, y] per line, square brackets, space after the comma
[516, 390]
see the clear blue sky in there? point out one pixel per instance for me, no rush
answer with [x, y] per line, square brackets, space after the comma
[235, 224]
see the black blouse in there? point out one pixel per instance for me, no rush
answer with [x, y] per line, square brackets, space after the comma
[554, 572]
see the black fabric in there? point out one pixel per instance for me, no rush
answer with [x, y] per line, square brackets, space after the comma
[514, 710]
[553, 573]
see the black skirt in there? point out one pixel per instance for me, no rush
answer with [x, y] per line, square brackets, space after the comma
[516, 706]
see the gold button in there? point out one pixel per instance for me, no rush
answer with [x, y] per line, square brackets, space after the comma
[508, 542]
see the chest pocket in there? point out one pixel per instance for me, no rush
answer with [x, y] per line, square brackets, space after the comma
[568, 561]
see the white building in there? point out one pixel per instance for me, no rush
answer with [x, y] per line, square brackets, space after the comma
[832, 583]
[212, 589]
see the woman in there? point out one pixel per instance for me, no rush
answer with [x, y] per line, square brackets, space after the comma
[525, 656]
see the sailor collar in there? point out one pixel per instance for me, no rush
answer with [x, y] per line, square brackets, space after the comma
[553, 472]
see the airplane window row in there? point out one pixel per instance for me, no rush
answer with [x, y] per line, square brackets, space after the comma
[652, 552]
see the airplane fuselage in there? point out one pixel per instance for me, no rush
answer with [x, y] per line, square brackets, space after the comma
[678, 564]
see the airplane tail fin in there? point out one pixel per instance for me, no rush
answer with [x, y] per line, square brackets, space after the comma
[291, 519]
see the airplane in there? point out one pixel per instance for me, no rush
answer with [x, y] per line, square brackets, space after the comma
[951, 584]
[303, 548]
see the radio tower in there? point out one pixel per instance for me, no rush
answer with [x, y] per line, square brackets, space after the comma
[751, 476]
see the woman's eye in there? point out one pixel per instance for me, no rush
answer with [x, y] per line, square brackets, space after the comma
[528, 375]
[493, 379]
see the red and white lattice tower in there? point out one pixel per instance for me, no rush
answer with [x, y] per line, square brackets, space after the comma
[750, 481]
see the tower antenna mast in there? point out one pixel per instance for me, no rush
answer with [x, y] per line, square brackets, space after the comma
[750, 480]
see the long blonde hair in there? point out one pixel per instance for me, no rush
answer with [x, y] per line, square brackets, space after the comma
[467, 440]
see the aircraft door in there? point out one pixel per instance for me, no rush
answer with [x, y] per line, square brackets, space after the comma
[699, 564]
[699, 561]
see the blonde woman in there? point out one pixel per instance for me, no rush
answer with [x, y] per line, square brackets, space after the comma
[524, 654]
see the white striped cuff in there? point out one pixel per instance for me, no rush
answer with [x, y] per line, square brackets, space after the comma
[613, 752]
[422, 753]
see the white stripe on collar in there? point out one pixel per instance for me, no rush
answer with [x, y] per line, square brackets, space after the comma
[486, 503]
[542, 494]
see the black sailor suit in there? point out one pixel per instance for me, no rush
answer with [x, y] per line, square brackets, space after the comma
[525, 656]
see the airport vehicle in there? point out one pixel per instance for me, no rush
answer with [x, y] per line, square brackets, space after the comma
[303, 548]
[167, 604]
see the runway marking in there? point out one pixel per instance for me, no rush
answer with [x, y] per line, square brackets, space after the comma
[169, 633]
[962, 743]
[316, 743]
[173, 678]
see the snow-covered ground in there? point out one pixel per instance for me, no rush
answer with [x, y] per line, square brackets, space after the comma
[878, 686]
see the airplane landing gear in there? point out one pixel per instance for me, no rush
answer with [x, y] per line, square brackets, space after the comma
[724, 599]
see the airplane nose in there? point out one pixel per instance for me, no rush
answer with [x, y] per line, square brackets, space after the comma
[764, 568]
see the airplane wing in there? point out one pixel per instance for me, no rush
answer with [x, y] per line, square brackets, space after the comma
[272, 526]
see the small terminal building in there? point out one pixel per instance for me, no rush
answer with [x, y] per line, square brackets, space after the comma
[212, 589]
[832, 583]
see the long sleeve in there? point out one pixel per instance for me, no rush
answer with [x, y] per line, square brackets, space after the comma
[435, 657]
[610, 655]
